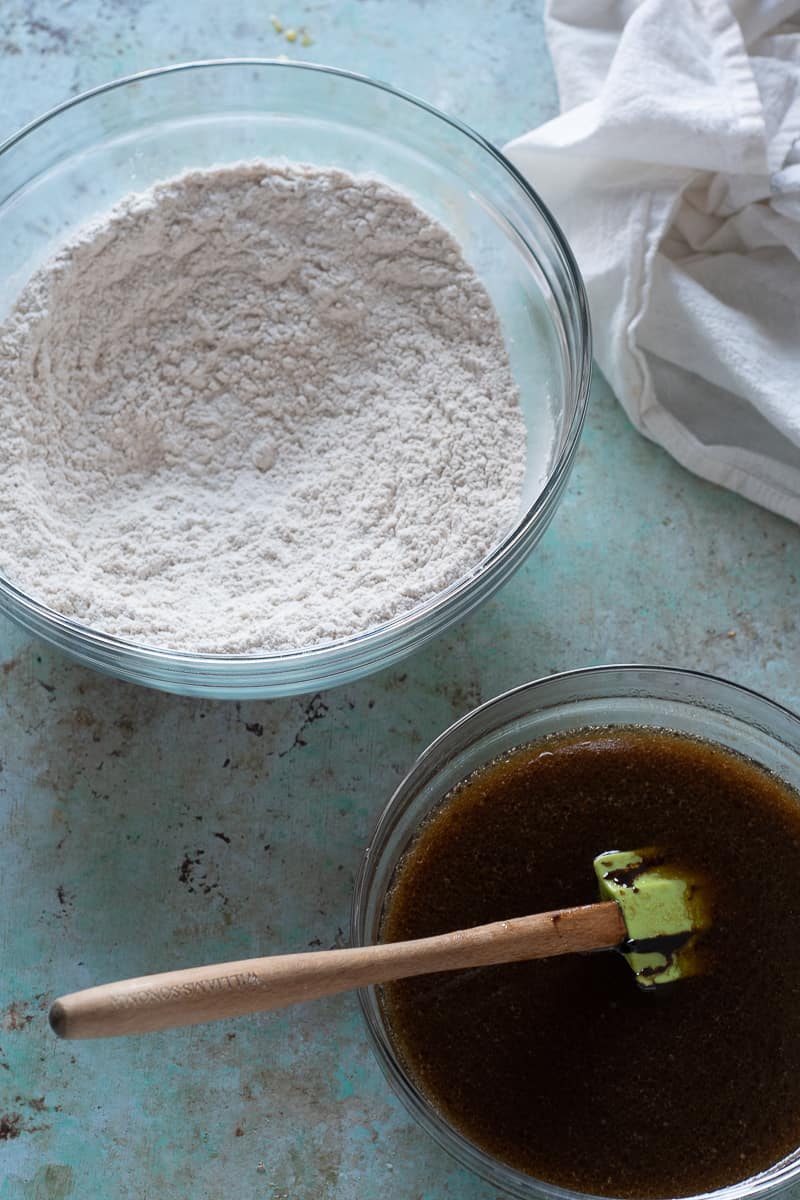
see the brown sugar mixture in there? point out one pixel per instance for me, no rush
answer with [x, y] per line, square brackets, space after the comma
[564, 1068]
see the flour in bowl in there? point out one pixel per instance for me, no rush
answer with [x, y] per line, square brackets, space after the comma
[254, 409]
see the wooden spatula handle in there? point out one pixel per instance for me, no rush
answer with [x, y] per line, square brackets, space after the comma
[234, 989]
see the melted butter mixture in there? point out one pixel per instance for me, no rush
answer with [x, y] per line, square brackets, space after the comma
[564, 1068]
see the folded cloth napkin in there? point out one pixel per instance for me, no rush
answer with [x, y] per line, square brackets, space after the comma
[674, 170]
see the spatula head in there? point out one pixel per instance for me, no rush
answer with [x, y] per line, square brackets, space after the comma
[664, 909]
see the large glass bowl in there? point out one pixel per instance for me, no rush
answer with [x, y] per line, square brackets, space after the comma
[686, 701]
[79, 160]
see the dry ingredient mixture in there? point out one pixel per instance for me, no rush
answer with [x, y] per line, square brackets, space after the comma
[563, 1067]
[254, 409]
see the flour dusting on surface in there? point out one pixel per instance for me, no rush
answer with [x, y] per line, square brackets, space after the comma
[256, 408]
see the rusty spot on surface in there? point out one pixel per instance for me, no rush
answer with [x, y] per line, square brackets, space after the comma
[15, 1016]
[315, 710]
[239, 1132]
[10, 1126]
[186, 869]
[255, 727]
[198, 882]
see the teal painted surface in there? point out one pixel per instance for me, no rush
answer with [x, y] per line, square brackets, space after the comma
[139, 831]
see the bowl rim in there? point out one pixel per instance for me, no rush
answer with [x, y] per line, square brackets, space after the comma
[771, 1180]
[574, 673]
[319, 655]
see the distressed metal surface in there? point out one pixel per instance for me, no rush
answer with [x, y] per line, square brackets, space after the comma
[139, 831]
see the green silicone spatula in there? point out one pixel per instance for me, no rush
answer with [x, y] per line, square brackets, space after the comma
[648, 909]
[664, 910]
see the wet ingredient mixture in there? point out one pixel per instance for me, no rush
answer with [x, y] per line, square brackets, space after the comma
[256, 409]
[564, 1068]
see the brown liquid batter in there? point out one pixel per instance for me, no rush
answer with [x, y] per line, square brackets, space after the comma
[563, 1068]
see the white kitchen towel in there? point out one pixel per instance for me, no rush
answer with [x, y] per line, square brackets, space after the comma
[674, 170]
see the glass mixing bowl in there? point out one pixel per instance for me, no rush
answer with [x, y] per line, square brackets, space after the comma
[686, 701]
[79, 160]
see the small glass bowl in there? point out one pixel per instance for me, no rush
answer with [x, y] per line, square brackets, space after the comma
[656, 697]
[79, 160]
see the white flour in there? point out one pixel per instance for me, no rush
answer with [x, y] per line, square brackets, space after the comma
[254, 409]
